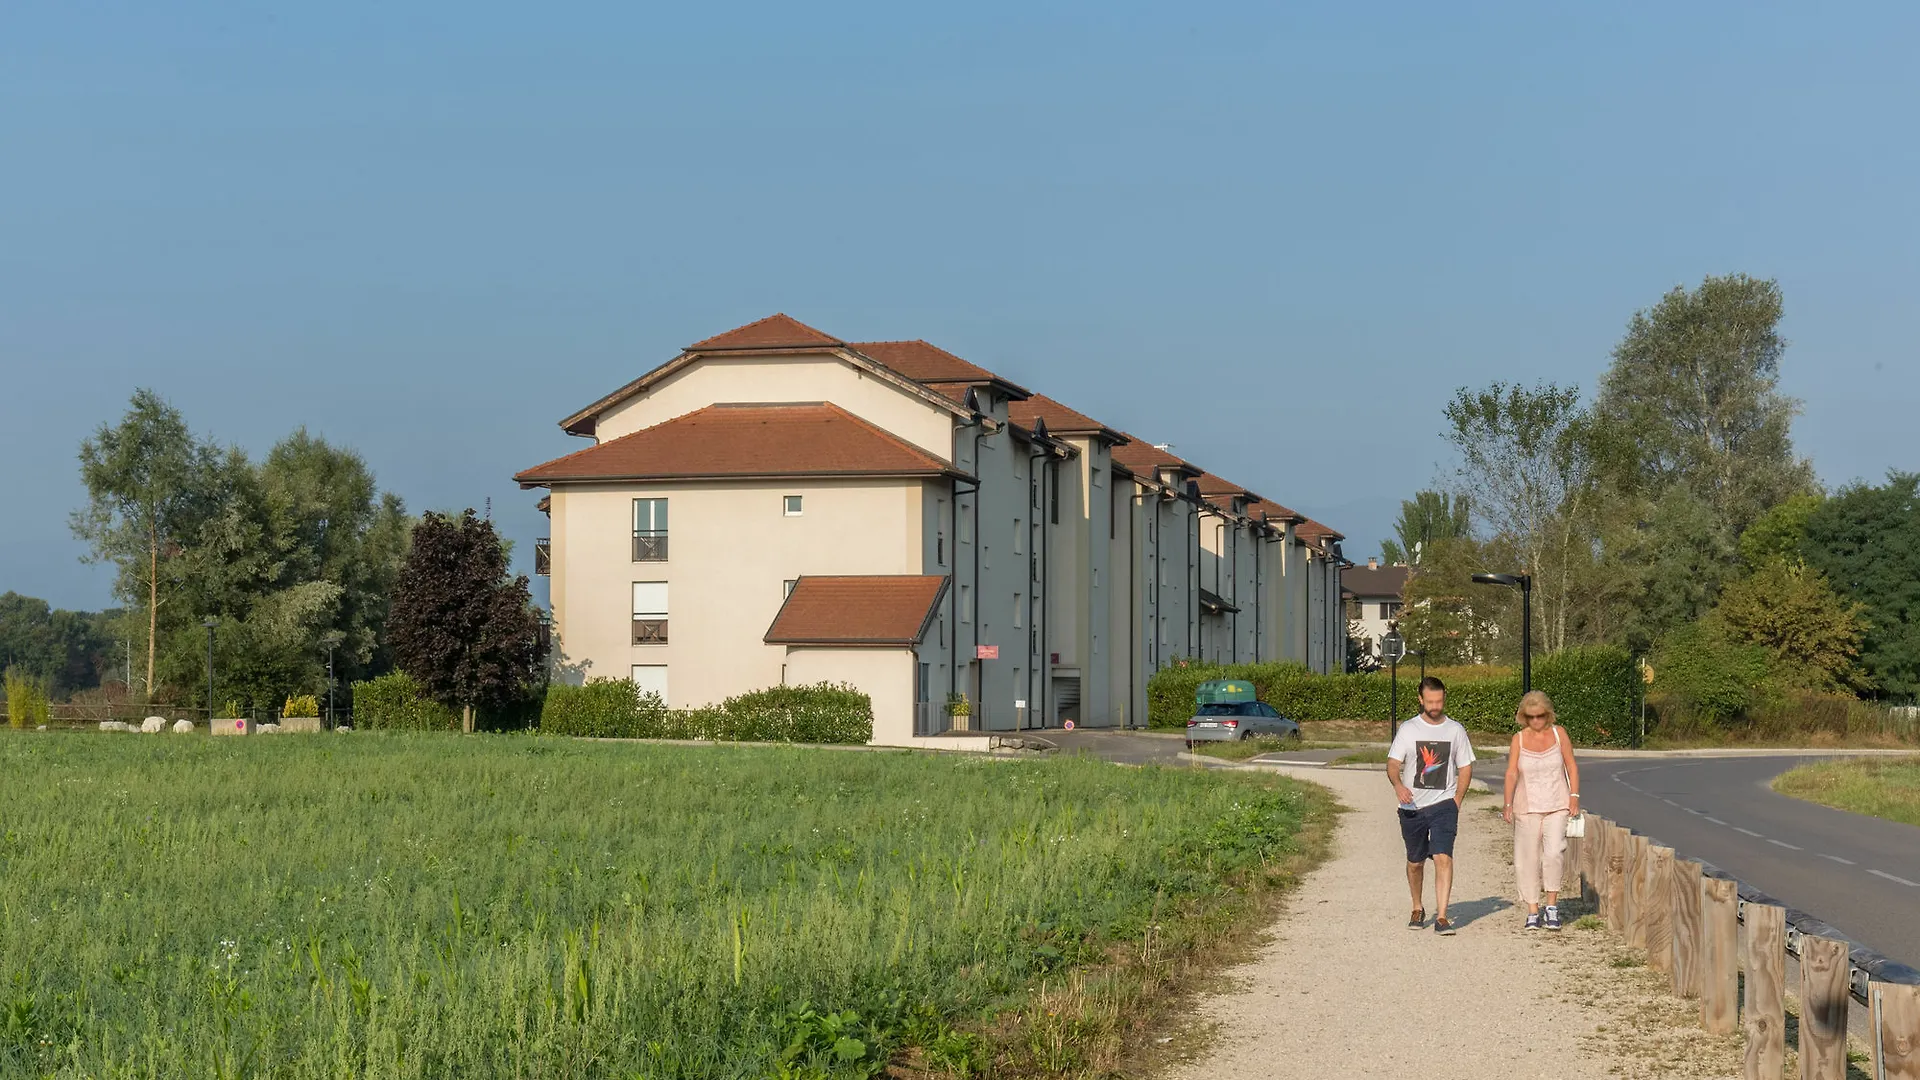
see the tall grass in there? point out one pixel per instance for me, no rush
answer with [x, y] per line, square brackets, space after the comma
[418, 906]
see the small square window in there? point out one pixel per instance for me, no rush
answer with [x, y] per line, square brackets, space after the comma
[792, 503]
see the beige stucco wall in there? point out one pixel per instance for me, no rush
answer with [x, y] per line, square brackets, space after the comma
[731, 547]
[886, 675]
[737, 380]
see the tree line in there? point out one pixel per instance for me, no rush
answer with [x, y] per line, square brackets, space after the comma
[1669, 512]
[289, 562]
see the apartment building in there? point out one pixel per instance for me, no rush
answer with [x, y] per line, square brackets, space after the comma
[775, 504]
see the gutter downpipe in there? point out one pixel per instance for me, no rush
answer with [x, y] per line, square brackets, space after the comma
[1256, 595]
[953, 602]
[1133, 585]
[1035, 633]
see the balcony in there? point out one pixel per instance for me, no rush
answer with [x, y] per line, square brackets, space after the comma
[650, 546]
[543, 557]
[649, 631]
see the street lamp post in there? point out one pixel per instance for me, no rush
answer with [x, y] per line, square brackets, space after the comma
[209, 623]
[1523, 582]
[1393, 647]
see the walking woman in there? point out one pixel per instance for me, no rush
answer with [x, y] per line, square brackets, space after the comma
[1543, 788]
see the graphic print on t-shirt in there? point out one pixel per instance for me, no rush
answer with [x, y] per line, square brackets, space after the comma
[1435, 758]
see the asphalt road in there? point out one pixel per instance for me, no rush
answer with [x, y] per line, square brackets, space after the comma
[1860, 874]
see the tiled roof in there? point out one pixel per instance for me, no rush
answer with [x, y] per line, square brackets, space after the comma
[1060, 419]
[927, 363]
[1275, 512]
[1381, 581]
[1144, 459]
[772, 332]
[746, 440]
[874, 610]
[1312, 530]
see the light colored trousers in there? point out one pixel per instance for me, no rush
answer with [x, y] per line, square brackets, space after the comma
[1539, 852]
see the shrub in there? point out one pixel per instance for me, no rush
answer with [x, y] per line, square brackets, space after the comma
[26, 699]
[1699, 671]
[1594, 690]
[613, 708]
[394, 702]
[301, 705]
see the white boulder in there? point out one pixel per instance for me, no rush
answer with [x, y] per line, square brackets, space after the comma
[182, 727]
[113, 725]
[153, 725]
[347, 728]
[269, 728]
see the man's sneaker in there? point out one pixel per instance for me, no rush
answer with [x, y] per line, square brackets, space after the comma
[1533, 920]
[1418, 919]
[1443, 926]
[1553, 917]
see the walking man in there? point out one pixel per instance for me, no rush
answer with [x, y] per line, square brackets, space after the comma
[1429, 764]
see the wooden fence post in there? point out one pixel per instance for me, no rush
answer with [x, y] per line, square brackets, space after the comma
[1618, 852]
[1720, 974]
[1570, 867]
[1896, 1030]
[1823, 1009]
[1766, 1011]
[1686, 929]
[1659, 910]
[1639, 862]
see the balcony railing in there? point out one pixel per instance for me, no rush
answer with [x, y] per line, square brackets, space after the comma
[649, 631]
[650, 546]
[543, 557]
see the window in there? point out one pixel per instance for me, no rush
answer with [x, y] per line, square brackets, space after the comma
[786, 587]
[1113, 517]
[966, 529]
[1053, 491]
[650, 679]
[792, 505]
[923, 685]
[1033, 488]
[1019, 609]
[940, 550]
[649, 613]
[1096, 577]
[649, 530]
[966, 603]
[1389, 609]
[1019, 536]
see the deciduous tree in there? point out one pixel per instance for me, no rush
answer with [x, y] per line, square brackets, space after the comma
[1866, 540]
[460, 626]
[1428, 517]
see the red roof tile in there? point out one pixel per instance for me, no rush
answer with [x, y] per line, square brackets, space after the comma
[1060, 419]
[746, 440]
[772, 332]
[1275, 512]
[874, 610]
[1146, 460]
[1314, 531]
[924, 362]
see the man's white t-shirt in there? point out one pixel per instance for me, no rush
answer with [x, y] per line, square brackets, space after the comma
[1430, 757]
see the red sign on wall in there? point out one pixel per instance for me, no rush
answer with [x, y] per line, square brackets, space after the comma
[986, 652]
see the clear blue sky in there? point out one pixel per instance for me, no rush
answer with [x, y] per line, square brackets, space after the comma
[1277, 240]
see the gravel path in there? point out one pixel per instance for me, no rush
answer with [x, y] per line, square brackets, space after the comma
[1345, 989]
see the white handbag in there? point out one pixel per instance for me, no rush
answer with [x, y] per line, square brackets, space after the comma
[1576, 826]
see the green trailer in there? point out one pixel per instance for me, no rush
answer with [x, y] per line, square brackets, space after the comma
[1225, 692]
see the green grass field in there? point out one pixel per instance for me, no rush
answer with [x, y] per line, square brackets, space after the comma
[1887, 787]
[433, 906]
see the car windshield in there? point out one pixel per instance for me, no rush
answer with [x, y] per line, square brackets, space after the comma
[1230, 708]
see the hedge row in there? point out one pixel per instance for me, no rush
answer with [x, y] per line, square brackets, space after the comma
[614, 708]
[1593, 691]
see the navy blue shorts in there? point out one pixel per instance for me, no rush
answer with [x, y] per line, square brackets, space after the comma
[1429, 831]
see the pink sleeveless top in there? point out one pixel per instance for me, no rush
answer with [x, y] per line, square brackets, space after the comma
[1543, 780]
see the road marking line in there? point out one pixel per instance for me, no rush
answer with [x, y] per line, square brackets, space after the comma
[1749, 832]
[1783, 844]
[1715, 820]
[1669, 802]
[1696, 813]
[1838, 859]
[1890, 877]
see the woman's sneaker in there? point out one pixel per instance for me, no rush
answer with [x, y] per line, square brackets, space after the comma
[1417, 919]
[1553, 917]
[1533, 920]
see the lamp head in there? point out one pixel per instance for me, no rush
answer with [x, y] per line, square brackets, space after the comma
[1509, 580]
[210, 623]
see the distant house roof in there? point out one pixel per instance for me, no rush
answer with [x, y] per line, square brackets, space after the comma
[777, 331]
[927, 363]
[867, 610]
[1386, 582]
[740, 441]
